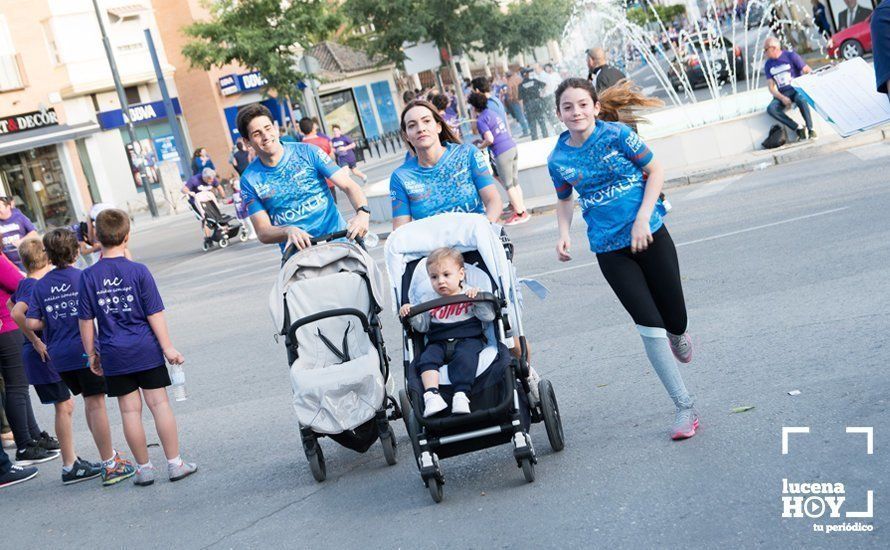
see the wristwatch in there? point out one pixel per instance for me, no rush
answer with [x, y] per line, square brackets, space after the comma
[364, 209]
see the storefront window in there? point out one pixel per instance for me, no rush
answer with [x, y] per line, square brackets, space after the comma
[36, 180]
[339, 109]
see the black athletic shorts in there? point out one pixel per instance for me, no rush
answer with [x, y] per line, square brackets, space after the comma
[54, 392]
[83, 381]
[150, 379]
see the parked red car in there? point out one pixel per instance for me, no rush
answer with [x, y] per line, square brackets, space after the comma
[851, 42]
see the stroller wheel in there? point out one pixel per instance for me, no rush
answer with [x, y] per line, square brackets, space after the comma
[243, 233]
[435, 487]
[224, 242]
[528, 469]
[410, 424]
[206, 246]
[389, 448]
[552, 420]
[316, 464]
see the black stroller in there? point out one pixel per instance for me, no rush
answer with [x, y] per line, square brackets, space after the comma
[223, 228]
[503, 405]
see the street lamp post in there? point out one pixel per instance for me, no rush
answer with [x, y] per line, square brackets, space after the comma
[122, 98]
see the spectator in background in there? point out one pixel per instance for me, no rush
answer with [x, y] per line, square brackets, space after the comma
[600, 72]
[201, 160]
[241, 157]
[852, 15]
[311, 136]
[482, 85]
[821, 19]
[880, 36]
[284, 136]
[530, 92]
[409, 96]
[441, 101]
[344, 151]
[781, 67]
[14, 227]
[513, 103]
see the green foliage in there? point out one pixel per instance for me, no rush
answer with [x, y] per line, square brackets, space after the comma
[529, 24]
[261, 35]
[642, 15]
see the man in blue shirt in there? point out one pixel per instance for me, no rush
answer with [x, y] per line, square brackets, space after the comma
[284, 188]
[781, 67]
[880, 36]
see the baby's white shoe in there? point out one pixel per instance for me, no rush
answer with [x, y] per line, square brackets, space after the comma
[460, 404]
[433, 403]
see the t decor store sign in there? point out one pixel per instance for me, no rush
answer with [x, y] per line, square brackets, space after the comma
[28, 121]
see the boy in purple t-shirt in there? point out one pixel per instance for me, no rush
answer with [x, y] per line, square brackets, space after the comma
[39, 370]
[53, 308]
[14, 227]
[344, 151]
[122, 298]
[781, 68]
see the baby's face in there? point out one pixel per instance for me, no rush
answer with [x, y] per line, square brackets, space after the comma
[446, 277]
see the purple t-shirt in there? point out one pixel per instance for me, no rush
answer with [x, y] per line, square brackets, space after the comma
[491, 121]
[36, 370]
[14, 228]
[54, 300]
[346, 157]
[120, 294]
[787, 66]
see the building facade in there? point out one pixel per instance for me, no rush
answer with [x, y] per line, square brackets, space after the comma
[63, 144]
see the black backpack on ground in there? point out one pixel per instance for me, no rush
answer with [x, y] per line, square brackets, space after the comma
[776, 137]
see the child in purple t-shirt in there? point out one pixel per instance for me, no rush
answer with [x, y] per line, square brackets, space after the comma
[53, 308]
[14, 227]
[121, 297]
[344, 151]
[39, 369]
[492, 126]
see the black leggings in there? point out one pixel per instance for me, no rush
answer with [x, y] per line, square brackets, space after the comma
[18, 400]
[648, 283]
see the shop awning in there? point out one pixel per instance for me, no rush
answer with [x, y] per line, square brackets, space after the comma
[49, 135]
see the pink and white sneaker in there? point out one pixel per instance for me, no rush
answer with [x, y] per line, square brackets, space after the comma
[681, 346]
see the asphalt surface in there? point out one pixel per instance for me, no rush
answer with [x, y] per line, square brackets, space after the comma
[787, 277]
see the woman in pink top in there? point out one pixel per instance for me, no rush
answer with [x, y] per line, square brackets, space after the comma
[34, 446]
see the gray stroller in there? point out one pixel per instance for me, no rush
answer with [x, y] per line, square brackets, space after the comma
[326, 303]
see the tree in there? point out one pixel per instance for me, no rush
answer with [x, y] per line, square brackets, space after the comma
[529, 24]
[262, 35]
[454, 25]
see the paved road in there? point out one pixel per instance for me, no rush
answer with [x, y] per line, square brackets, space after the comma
[786, 272]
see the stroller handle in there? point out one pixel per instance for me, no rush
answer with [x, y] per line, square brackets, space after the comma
[290, 250]
[449, 300]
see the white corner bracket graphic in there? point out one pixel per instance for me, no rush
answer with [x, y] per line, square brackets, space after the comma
[791, 430]
[869, 432]
[869, 512]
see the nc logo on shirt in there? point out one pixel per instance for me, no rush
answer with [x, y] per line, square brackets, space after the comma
[112, 282]
[65, 287]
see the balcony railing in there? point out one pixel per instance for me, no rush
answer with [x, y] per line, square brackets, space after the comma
[12, 73]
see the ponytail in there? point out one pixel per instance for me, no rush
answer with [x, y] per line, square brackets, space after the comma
[616, 102]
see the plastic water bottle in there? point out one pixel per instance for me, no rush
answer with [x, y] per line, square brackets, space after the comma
[177, 376]
[371, 240]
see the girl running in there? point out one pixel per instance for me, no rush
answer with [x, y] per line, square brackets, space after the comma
[618, 184]
[444, 175]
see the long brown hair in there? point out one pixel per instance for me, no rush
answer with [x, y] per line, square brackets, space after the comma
[445, 136]
[617, 103]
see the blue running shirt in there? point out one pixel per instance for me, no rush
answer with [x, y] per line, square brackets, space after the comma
[452, 185]
[294, 192]
[607, 173]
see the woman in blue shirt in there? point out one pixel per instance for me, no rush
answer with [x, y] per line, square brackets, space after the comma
[618, 184]
[444, 175]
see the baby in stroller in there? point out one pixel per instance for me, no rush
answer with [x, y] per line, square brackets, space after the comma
[218, 227]
[455, 333]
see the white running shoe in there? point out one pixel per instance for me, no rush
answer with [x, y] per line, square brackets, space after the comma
[460, 404]
[433, 404]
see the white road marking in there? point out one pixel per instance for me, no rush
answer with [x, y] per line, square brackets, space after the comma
[696, 241]
[712, 188]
